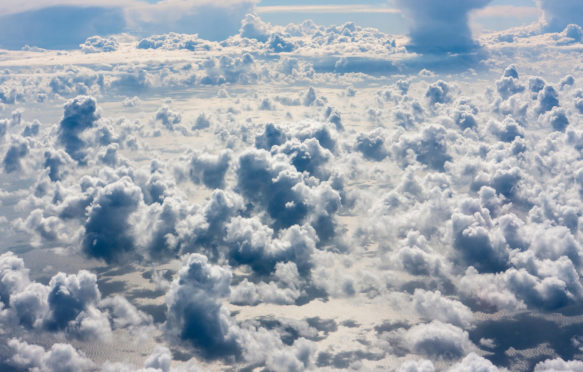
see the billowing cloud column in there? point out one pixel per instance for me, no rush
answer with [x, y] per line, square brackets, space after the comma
[560, 13]
[440, 26]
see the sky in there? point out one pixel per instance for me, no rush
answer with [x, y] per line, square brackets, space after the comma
[245, 185]
[35, 22]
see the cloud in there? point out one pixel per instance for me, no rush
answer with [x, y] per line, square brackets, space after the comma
[558, 14]
[209, 169]
[18, 150]
[195, 313]
[433, 306]
[475, 363]
[65, 24]
[70, 304]
[198, 17]
[97, 44]
[439, 92]
[13, 276]
[60, 357]
[417, 366]
[440, 27]
[108, 231]
[372, 146]
[559, 365]
[464, 213]
[439, 340]
[81, 113]
[168, 117]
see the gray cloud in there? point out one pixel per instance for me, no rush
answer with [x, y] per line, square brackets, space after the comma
[560, 13]
[440, 27]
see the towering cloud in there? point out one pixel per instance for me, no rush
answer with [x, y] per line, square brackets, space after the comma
[560, 13]
[440, 26]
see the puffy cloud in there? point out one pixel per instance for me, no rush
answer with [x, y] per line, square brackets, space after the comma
[108, 231]
[209, 169]
[474, 244]
[557, 119]
[13, 276]
[57, 161]
[168, 117]
[61, 357]
[417, 366]
[199, 17]
[559, 365]
[195, 313]
[439, 340]
[506, 131]
[509, 84]
[372, 145]
[253, 27]
[428, 147]
[465, 114]
[440, 27]
[283, 291]
[439, 92]
[475, 363]
[273, 184]
[18, 150]
[69, 304]
[202, 122]
[97, 44]
[81, 113]
[547, 99]
[69, 296]
[296, 359]
[433, 306]
[251, 243]
[123, 313]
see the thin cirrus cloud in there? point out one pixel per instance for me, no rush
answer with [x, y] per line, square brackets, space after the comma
[332, 8]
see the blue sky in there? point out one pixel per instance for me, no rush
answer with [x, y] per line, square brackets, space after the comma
[31, 24]
[377, 16]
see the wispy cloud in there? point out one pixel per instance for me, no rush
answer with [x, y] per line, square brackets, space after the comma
[326, 9]
[508, 11]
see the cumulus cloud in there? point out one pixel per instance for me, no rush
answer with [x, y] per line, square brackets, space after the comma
[70, 304]
[18, 150]
[559, 365]
[441, 198]
[432, 305]
[475, 363]
[209, 169]
[80, 114]
[108, 232]
[439, 340]
[97, 44]
[45, 24]
[195, 313]
[60, 357]
[199, 17]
